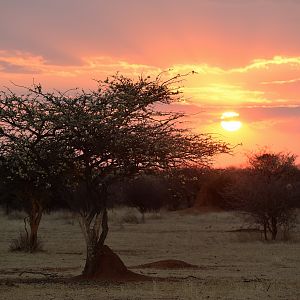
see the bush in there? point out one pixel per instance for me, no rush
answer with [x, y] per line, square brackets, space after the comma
[130, 218]
[268, 202]
[146, 193]
[267, 192]
[22, 244]
[183, 186]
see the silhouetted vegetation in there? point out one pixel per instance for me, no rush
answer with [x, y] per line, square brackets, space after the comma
[183, 186]
[267, 192]
[22, 243]
[30, 156]
[213, 185]
[147, 193]
[77, 145]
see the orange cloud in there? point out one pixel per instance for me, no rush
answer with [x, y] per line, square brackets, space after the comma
[266, 63]
[281, 81]
[254, 83]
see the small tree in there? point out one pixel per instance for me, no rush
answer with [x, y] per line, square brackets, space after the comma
[264, 192]
[29, 153]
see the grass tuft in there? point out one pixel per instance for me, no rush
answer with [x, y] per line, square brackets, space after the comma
[22, 244]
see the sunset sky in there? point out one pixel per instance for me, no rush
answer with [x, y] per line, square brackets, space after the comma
[246, 55]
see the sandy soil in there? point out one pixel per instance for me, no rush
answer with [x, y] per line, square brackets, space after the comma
[230, 265]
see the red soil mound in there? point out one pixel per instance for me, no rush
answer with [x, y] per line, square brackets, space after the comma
[167, 264]
[110, 268]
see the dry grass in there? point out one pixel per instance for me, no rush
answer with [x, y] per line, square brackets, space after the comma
[130, 217]
[229, 268]
[16, 215]
[22, 243]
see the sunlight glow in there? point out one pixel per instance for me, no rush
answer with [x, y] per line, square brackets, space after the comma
[229, 121]
[231, 125]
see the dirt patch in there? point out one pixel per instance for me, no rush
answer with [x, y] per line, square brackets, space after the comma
[246, 230]
[200, 210]
[36, 270]
[167, 264]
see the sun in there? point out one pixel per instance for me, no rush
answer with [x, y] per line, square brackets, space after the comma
[231, 125]
[229, 121]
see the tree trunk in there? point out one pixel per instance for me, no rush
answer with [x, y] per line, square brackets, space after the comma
[101, 262]
[34, 222]
[265, 231]
[274, 228]
[94, 240]
[92, 251]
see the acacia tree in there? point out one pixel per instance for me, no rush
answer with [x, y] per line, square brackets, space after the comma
[29, 155]
[265, 192]
[273, 165]
[116, 131]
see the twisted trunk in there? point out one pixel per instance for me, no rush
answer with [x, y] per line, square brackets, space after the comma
[101, 262]
[94, 239]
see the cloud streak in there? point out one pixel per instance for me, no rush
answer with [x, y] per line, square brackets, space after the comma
[281, 81]
[211, 85]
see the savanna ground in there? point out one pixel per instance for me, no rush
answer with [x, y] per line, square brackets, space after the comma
[231, 264]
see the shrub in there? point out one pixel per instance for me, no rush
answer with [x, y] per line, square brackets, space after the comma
[130, 218]
[146, 193]
[267, 192]
[22, 244]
